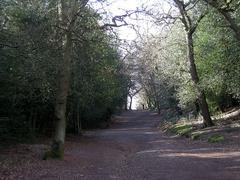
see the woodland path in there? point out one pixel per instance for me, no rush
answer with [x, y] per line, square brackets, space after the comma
[134, 149]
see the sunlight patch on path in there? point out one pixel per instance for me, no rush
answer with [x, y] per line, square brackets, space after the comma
[212, 155]
[199, 153]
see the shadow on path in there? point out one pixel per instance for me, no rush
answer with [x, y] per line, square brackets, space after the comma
[134, 149]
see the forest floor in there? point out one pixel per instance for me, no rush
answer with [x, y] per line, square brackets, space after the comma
[133, 148]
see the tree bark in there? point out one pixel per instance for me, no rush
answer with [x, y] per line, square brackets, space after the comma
[61, 100]
[68, 11]
[207, 121]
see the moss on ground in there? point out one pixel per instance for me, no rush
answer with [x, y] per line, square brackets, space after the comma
[195, 132]
[195, 136]
[216, 138]
[182, 130]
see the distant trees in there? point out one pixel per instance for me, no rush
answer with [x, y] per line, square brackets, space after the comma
[154, 74]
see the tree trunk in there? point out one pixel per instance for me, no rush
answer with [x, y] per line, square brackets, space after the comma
[158, 108]
[130, 105]
[156, 94]
[207, 121]
[57, 150]
[78, 121]
[126, 103]
[67, 14]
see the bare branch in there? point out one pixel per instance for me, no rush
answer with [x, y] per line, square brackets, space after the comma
[119, 20]
[185, 18]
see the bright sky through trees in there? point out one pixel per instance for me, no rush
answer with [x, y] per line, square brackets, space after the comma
[142, 23]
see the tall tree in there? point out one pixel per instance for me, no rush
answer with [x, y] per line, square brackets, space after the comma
[68, 13]
[190, 26]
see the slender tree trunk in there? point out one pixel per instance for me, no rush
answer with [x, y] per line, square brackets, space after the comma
[156, 97]
[34, 121]
[79, 123]
[207, 121]
[190, 28]
[125, 106]
[158, 108]
[126, 103]
[130, 105]
[149, 103]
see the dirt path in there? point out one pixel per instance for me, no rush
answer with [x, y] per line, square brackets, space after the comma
[132, 149]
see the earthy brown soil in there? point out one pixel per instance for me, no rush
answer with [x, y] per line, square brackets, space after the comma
[131, 149]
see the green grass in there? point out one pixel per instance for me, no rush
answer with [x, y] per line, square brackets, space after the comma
[216, 138]
[182, 130]
[195, 136]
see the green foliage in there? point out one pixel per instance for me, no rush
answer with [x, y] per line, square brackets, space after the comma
[216, 138]
[217, 53]
[27, 70]
[97, 83]
[187, 95]
[30, 54]
[195, 136]
[181, 129]
[31, 51]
